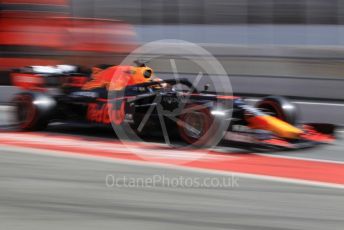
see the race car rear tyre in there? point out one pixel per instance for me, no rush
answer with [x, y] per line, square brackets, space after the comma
[279, 107]
[33, 110]
[198, 127]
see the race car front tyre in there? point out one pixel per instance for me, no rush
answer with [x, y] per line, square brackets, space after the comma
[279, 107]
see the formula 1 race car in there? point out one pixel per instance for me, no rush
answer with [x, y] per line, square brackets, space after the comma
[130, 97]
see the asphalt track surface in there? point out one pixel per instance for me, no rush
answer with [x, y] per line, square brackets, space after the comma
[48, 192]
[41, 190]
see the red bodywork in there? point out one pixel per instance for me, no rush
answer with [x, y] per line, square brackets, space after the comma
[33, 37]
[25, 81]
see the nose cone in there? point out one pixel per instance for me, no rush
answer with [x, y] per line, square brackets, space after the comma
[275, 125]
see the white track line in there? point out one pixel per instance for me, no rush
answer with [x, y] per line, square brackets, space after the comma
[34, 151]
[305, 102]
[115, 147]
[142, 152]
[318, 103]
[300, 158]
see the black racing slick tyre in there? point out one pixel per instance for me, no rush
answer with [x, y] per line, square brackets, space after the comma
[33, 110]
[279, 107]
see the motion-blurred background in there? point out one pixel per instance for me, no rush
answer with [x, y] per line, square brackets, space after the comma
[276, 22]
[287, 47]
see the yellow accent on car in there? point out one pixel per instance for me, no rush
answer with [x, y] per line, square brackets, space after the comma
[281, 128]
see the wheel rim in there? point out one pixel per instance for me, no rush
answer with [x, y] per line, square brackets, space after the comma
[194, 125]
